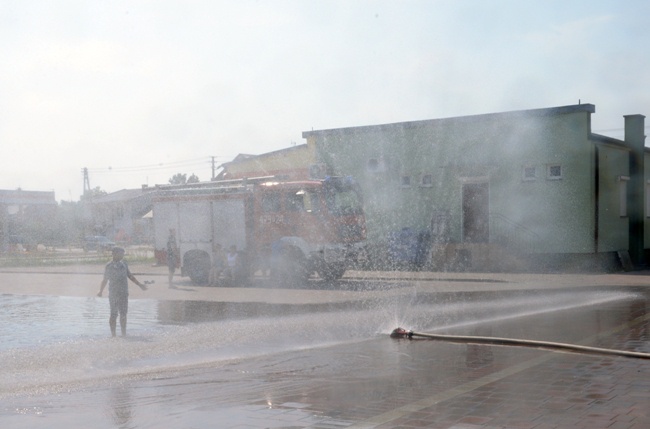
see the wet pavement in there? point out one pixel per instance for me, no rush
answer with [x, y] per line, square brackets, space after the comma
[373, 381]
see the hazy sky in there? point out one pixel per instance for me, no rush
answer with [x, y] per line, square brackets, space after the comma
[139, 90]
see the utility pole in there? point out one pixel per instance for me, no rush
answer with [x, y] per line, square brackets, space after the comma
[86, 180]
[213, 168]
[88, 215]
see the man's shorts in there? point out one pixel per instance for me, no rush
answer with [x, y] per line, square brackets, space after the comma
[119, 304]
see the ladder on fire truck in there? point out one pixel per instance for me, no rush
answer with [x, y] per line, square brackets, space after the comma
[225, 185]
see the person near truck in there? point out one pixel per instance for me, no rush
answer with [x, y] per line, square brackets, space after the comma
[117, 275]
[172, 256]
[218, 265]
[232, 259]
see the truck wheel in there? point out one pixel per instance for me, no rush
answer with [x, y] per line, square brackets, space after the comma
[292, 268]
[197, 266]
[332, 271]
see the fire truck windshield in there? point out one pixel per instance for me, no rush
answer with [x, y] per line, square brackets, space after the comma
[342, 197]
[344, 202]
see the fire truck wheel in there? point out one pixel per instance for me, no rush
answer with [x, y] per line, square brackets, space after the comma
[197, 266]
[293, 268]
[332, 272]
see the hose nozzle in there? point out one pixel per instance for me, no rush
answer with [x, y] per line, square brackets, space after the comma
[401, 333]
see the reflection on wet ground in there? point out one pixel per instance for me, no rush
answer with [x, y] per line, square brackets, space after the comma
[468, 306]
[30, 320]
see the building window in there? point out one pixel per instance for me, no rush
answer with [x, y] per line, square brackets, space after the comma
[406, 181]
[376, 165]
[622, 195]
[427, 181]
[317, 171]
[554, 172]
[528, 173]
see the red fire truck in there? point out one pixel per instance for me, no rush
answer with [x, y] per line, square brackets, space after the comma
[293, 228]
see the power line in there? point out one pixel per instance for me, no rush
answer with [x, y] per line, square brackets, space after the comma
[160, 165]
[184, 164]
[195, 165]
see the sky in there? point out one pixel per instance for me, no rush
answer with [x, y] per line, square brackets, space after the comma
[137, 91]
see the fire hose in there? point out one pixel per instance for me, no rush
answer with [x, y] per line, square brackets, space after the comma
[553, 346]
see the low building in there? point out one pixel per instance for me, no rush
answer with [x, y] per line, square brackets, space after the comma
[535, 189]
[24, 216]
[122, 216]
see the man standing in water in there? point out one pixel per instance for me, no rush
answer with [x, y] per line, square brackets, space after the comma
[117, 274]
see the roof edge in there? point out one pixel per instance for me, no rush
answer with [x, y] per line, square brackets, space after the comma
[599, 138]
[548, 111]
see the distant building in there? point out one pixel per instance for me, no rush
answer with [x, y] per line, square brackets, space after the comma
[22, 213]
[122, 216]
[533, 188]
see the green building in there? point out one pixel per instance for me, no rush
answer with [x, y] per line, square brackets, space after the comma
[524, 189]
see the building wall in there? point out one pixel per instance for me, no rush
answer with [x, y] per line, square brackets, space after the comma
[553, 215]
[119, 216]
[612, 225]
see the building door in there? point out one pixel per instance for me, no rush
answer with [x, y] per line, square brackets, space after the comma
[476, 209]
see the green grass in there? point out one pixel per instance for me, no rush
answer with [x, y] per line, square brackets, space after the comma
[47, 259]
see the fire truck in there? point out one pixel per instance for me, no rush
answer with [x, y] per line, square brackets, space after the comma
[290, 228]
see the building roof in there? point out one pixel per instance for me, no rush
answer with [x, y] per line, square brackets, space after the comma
[550, 111]
[20, 197]
[599, 138]
[247, 157]
[119, 196]
[242, 157]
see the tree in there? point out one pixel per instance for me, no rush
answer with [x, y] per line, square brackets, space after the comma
[182, 179]
[95, 192]
[178, 179]
[69, 224]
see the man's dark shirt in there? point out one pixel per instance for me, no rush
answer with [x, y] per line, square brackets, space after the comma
[117, 275]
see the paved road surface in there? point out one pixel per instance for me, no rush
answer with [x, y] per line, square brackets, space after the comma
[379, 382]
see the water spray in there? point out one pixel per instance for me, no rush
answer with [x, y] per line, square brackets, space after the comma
[575, 348]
